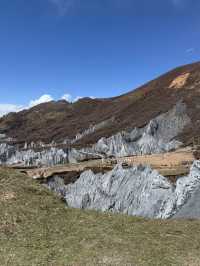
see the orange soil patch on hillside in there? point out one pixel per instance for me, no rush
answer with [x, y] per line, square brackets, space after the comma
[180, 81]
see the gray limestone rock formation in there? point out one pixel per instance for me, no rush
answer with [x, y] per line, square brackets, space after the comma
[191, 201]
[191, 209]
[6, 151]
[46, 157]
[57, 185]
[157, 137]
[138, 191]
[185, 191]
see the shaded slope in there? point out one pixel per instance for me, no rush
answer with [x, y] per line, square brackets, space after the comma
[58, 120]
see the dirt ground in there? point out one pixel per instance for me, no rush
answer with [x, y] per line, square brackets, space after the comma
[168, 164]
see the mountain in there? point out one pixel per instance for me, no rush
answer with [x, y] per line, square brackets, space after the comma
[129, 149]
[58, 121]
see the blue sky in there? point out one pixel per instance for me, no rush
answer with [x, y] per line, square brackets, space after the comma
[98, 48]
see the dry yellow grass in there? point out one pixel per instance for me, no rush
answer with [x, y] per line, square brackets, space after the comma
[6, 196]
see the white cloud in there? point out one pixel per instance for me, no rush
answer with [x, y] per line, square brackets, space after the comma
[67, 97]
[77, 98]
[7, 108]
[43, 99]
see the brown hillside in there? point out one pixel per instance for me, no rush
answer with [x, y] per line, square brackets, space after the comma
[58, 120]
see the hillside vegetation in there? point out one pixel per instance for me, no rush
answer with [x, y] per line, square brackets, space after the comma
[36, 228]
[60, 120]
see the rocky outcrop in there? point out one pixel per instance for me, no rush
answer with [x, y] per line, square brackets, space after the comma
[47, 157]
[191, 209]
[191, 188]
[6, 151]
[157, 137]
[90, 130]
[186, 188]
[57, 185]
[138, 191]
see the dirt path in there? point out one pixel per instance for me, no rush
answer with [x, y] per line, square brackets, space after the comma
[168, 164]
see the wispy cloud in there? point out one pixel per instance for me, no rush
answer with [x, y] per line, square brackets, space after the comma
[180, 3]
[190, 50]
[176, 2]
[63, 6]
[43, 99]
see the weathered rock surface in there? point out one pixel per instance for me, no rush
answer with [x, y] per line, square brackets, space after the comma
[57, 185]
[186, 188]
[138, 191]
[192, 208]
[6, 152]
[48, 157]
[157, 137]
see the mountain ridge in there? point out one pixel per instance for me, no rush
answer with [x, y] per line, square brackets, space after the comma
[56, 121]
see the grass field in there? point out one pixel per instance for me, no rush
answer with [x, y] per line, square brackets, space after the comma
[36, 228]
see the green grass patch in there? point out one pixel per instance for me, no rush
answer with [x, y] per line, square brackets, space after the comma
[36, 228]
